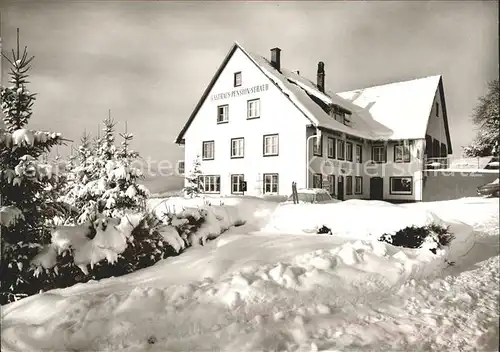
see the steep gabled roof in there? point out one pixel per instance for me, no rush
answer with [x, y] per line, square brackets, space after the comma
[374, 111]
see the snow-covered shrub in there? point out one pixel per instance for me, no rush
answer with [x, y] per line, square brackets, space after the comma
[324, 230]
[187, 222]
[104, 248]
[26, 185]
[433, 236]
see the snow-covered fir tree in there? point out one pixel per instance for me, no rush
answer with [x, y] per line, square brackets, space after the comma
[194, 187]
[26, 184]
[105, 180]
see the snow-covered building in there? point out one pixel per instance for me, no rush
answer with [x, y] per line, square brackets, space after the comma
[263, 126]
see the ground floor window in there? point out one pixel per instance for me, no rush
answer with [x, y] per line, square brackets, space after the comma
[317, 181]
[237, 183]
[331, 183]
[358, 185]
[348, 185]
[270, 183]
[401, 185]
[209, 183]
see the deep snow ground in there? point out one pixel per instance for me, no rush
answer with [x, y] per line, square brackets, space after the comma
[251, 292]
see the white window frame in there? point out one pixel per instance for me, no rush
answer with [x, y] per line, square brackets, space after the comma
[237, 180]
[330, 147]
[253, 109]
[318, 147]
[395, 192]
[332, 185]
[237, 82]
[206, 148]
[359, 153]
[237, 148]
[340, 148]
[381, 154]
[405, 153]
[224, 117]
[274, 183]
[179, 167]
[347, 120]
[317, 180]
[209, 183]
[349, 145]
[360, 184]
[348, 190]
[273, 145]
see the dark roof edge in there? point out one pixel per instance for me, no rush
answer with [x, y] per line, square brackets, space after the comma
[445, 114]
[180, 137]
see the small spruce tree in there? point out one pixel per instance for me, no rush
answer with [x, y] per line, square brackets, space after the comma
[194, 187]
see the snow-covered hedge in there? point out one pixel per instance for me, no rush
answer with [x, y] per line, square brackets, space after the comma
[113, 247]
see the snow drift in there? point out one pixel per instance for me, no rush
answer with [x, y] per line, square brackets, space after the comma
[357, 219]
[248, 292]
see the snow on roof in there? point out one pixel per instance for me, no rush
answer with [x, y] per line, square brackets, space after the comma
[404, 107]
[300, 90]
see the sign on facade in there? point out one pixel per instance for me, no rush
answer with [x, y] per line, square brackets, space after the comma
[240, 92]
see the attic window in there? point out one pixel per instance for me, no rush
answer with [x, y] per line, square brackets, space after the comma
[437, 109]
[237, 79]
[347, 120]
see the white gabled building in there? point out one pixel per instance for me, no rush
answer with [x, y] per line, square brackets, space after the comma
[260, 123]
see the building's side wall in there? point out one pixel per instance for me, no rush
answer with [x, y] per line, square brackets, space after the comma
[277, 115]
[443, 185]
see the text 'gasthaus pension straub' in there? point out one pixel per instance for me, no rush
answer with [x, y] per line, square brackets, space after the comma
[240, 92]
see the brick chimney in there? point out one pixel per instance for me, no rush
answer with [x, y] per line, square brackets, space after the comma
[320, 76]
[276, 58]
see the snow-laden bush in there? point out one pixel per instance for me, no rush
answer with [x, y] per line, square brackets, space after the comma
[432, 237]
[104, 248]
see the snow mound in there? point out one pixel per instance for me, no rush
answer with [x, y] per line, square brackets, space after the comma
[357, 219]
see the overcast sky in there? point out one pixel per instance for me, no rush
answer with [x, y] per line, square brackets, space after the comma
[149, 62]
